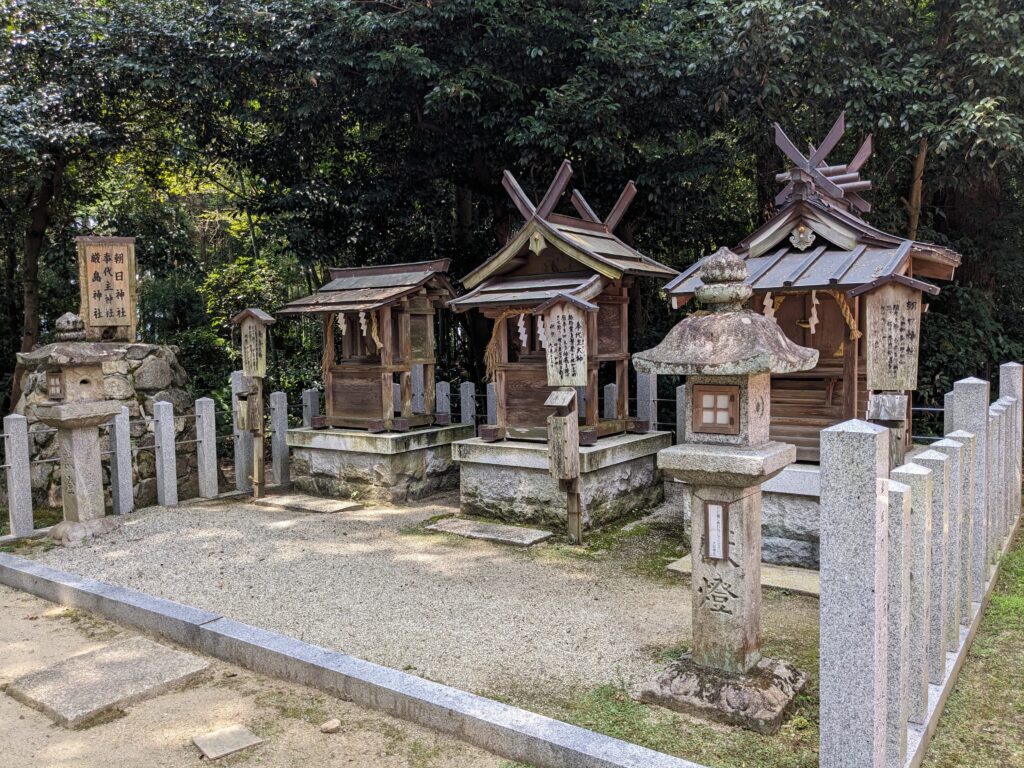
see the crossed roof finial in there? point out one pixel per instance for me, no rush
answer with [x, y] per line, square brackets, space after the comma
[839, 182]
[554, 193]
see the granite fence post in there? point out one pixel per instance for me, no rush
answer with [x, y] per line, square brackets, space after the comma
[19, 476]
[1008, 454]
[919, 480]
[680, 412]
[970, 409]
[995, 488]
[418, 385]
[854, 595]
[206, 447]
[467, 402]
[948, 414]
[242, 437]
[310, 406]
[967, 593]
[611, 393]
[938, 463]
[492, 403]
[898, 669]
[166, 459]
[121, 486]
[954, 451]
[998, 491]
[646, 398]
[1011, 384]
[279, 471]
[396, 397]
[443, 397]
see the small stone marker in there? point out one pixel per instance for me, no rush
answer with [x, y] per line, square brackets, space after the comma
[301, 502]
[78, 689]
[502, 534]
[226, 741]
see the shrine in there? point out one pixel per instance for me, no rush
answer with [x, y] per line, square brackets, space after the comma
[558, 293]
[375, 438]
[834, 283]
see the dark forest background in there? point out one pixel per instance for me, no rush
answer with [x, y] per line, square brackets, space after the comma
[250, 144]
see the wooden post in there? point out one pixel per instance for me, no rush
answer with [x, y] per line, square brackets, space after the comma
[254, 324]
[386, 361]
[851, 353]
[564, 455]
[259, 480]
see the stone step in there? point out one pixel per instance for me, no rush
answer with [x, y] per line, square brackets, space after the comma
[803, 581]
[80, 688]
[302, 502]
[496, 532]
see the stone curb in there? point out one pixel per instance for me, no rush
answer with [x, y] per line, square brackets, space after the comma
[499, 728]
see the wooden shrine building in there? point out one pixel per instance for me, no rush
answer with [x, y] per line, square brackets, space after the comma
[835, 283]
[378, 323]
[558, 293]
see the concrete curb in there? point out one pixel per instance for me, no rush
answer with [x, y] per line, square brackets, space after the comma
[499, 728]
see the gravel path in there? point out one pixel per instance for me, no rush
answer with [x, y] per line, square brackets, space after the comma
[472, 614]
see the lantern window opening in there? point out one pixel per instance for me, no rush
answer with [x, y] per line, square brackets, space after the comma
[54, 385]
[716, 409]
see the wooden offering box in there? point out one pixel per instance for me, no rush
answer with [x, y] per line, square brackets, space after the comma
[558, 293]
[378, 323]
[837, 284]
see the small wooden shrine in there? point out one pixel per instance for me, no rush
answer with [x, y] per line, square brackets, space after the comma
[836, 284]
[378, 323]
[558, 293]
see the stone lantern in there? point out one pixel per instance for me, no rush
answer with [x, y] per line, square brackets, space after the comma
[724, 455]
[76, 407]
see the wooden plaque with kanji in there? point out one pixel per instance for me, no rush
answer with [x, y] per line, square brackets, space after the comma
[893, 336]
[107, 282]
[565, 327]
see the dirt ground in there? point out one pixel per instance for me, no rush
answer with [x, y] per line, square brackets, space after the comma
[158, 732]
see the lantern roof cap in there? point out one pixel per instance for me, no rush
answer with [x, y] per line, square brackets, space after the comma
[727, 340]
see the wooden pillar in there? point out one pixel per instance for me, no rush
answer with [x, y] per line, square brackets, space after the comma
[429, 371]
[328, 361]
[622, 366]
[387, 357]
[591, 416]
[851, 355]
[501, 332]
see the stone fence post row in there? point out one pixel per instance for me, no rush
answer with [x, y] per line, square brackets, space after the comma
[906, 569]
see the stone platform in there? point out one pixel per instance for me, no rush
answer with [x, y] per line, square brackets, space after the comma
[393, 466]
[509, 480]
[790, 515]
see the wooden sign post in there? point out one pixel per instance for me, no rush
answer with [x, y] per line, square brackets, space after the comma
[564, 455]
[566, 347]
[107, 287]
[254, 324]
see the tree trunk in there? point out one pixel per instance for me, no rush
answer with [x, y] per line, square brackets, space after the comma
[40, 216]
[913, 202]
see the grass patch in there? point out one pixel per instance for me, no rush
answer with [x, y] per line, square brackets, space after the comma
[42, 517]
[309, 709]
[983, 722]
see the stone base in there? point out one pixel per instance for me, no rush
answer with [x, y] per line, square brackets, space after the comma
[70, 533]
[790, 515]
[509, 480]
[392, 467]
[758, 700]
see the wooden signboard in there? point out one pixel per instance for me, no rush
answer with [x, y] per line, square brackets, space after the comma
[565, 328]
[892, 336]
[254, 348]
[107, 287]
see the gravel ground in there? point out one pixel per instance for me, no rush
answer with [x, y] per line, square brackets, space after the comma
[476, 615]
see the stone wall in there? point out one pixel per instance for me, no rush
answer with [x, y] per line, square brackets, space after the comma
[138, 376]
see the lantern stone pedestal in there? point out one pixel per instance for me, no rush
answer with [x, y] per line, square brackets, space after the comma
[724, 455]
[393, 467]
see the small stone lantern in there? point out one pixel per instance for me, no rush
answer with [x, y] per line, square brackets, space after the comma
[76, 407]
[724, 454]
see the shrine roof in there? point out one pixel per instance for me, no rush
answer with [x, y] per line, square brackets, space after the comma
[819, 239]
[364, 289]
[588, 239]
[529, 291]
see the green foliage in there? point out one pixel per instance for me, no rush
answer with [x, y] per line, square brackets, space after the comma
[208, 358]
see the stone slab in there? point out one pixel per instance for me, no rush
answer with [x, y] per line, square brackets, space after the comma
[80, 688]
[725, 464]
[303, 502]
[514, 535]
[360, 441]
[607, 452]
[226, 741]
[800, 580]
